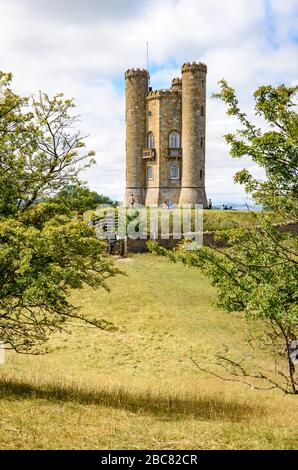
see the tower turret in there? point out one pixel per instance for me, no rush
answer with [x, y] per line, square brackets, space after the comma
[136, 90]
[193, 133]
[176, 84]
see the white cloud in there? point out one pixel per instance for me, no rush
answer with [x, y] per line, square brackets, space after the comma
[284, 19]
[83, 47]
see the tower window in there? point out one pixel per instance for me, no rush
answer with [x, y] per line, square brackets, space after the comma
[174, 140]
[202, 141]
[149, 173]
[174, 172]
[202, 110]
[150, 140]
[201, 174]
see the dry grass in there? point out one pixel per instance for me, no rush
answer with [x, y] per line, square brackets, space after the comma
[136, 388]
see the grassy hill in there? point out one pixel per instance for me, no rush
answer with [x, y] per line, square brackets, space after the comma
[223, 220]
[215, 219]
[137, 388]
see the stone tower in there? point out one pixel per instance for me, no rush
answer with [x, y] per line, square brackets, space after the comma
[193, 133]
[165, 138]
[136, 91]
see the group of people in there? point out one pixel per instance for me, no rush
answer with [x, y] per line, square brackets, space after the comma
[167, 205]
[164, 205]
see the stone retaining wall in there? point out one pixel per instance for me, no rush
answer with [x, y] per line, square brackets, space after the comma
[291, 226]
[140, 245]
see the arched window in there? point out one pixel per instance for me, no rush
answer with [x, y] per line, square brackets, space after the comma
[174, 172]
[150, 140]
[174, 140]
[149, 173]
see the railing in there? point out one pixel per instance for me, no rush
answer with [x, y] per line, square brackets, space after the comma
[174, 152]
[149, 153]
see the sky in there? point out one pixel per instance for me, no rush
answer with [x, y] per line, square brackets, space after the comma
[83, 47]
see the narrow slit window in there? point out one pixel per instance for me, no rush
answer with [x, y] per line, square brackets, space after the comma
[150, 140]
[149, 173]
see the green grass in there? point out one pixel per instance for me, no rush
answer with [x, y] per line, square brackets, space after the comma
[137, 388]
[215, 219]
[223, 220]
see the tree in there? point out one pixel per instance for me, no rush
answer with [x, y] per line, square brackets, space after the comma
[275, 149]
[79, 198]
[43, 252]
[258, 273]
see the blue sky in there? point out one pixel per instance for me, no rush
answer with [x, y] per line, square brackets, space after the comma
[83, 48]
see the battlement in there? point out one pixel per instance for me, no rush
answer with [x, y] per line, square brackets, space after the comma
[194, 67]
[176, 81]
[176, 84]
[161, 94]
[136, 73]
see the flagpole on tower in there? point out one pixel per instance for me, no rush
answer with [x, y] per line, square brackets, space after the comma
[147, 53]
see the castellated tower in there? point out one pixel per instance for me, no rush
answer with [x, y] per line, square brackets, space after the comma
[193, 133]
[136, 92]
[165, 138]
